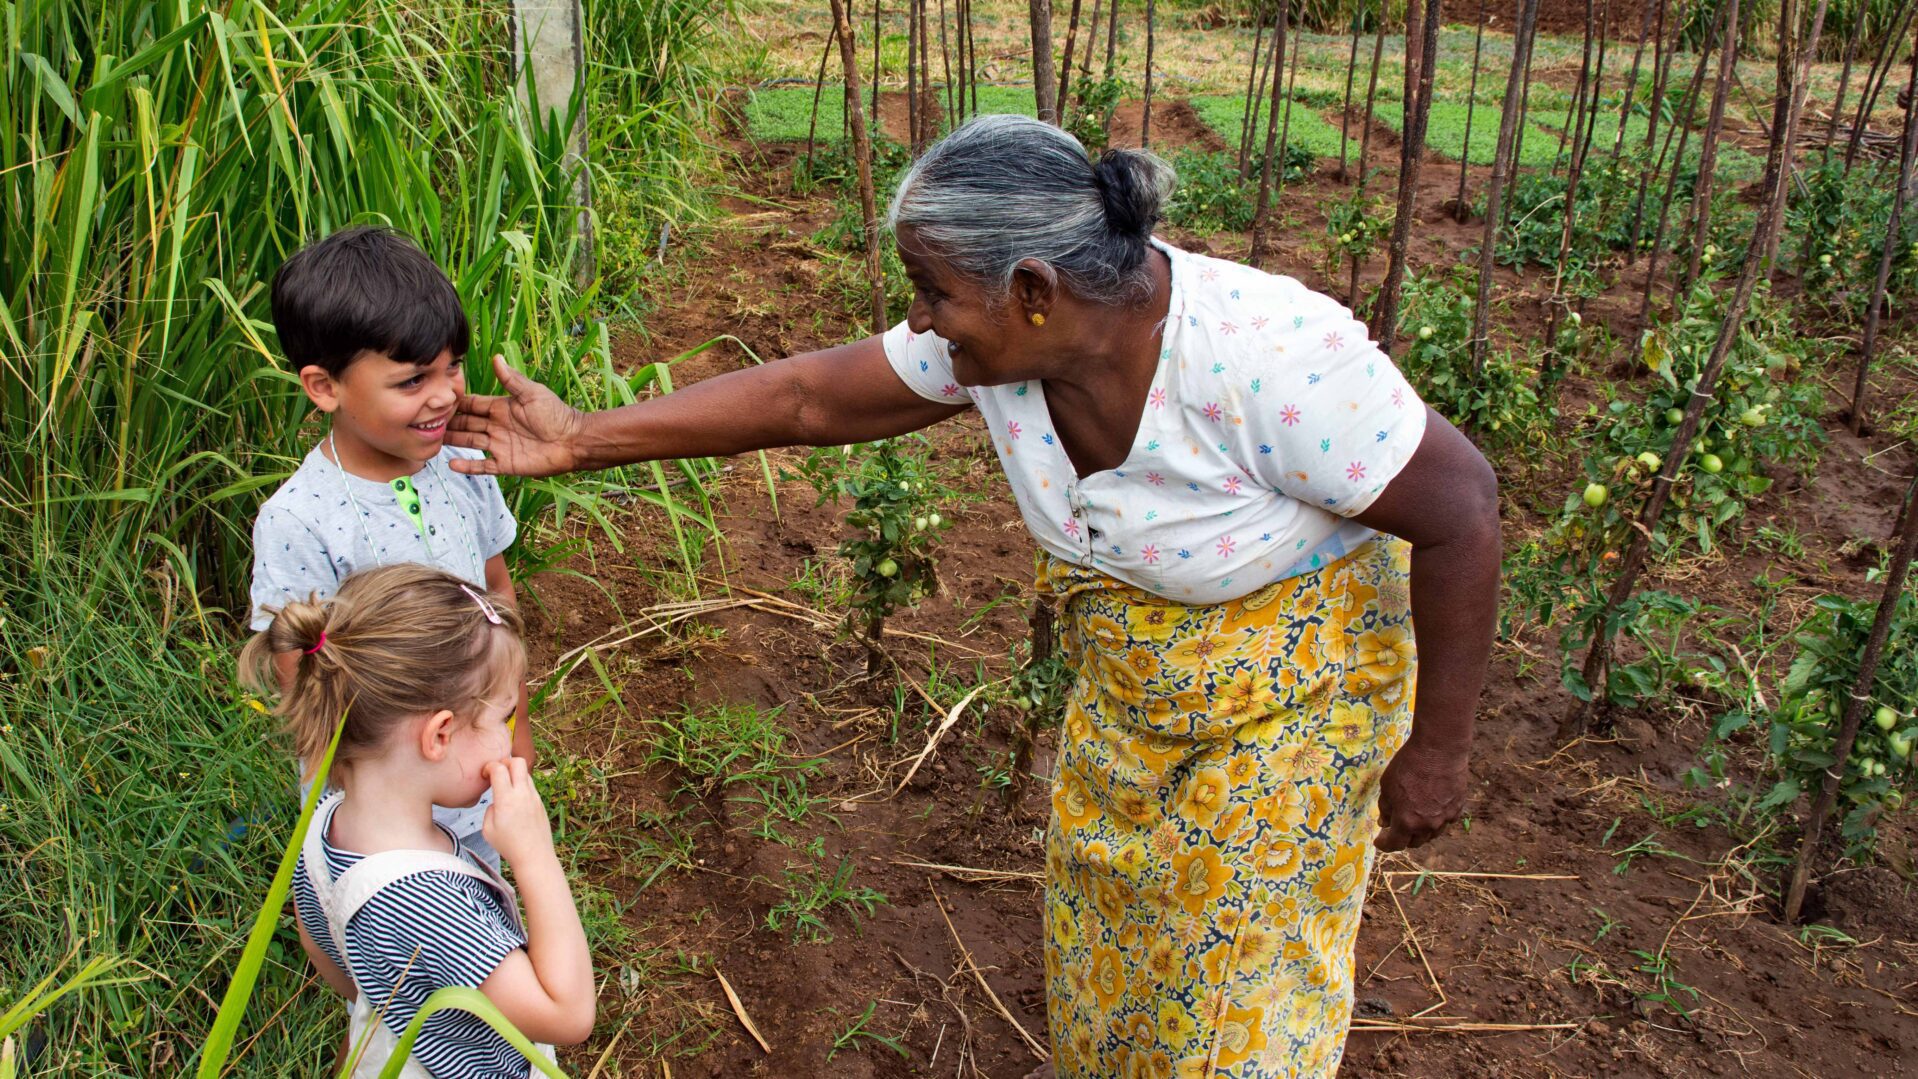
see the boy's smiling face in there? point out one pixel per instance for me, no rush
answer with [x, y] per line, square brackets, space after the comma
[389, 418]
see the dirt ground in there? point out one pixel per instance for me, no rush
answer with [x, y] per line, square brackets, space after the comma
[1589, 919]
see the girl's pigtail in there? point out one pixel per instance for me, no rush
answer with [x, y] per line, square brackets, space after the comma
[312, 705]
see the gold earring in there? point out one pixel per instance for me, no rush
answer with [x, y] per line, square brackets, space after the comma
[1038, 319]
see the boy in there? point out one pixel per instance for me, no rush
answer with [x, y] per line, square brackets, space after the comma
[375, 332]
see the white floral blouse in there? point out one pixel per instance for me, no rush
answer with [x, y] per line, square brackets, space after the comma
[1272, 419]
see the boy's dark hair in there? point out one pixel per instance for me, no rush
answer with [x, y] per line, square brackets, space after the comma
[365, 289]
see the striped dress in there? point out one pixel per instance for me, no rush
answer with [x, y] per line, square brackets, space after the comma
[428, 930]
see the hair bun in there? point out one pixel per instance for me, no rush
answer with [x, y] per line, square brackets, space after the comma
[1133, 185]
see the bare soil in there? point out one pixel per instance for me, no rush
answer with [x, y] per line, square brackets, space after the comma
[1573, 957]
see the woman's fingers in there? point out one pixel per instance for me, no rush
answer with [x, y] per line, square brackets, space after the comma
[515, 383]
[475, 411]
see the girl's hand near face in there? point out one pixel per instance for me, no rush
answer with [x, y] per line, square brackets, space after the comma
[516, 823]
[546, 988]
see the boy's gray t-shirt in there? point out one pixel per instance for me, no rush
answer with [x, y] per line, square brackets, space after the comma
[308, 538]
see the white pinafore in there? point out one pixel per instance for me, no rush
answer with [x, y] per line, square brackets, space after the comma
[342, 897]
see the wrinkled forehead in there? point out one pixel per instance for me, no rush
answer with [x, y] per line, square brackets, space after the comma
[921, 263]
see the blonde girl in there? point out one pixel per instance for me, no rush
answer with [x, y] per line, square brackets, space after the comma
[426, 670]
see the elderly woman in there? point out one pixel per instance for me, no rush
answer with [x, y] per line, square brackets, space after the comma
[1243, 508]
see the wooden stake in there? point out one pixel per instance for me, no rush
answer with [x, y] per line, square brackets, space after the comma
[1524, 111]
[1385, 314]
[1044, 79]
[1092, 43]
[1145, 116]
[862, 152]
[1893, 239]
[1345, 113]
[1112, 34]
[1661, 73]
[1797, 75]
[1682, 126]
[945, 65]
[819, 86]
[1065, 68]
[1581, 143]
[972, 54]
[1247, 118]
[1260, 216]
[1285, 126]
[1701, 211]
[913, 128]
[1524, 30]
[1459, 213]
[1365, 134]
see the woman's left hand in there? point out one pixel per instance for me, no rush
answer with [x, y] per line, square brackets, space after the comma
[1421, 793]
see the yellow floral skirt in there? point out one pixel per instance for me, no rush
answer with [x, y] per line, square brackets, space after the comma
[1213, 817]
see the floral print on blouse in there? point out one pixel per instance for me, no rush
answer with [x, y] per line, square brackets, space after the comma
[1272, 419]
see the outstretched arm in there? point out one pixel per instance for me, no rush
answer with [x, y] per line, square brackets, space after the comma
[1445, 503]
[825, 398]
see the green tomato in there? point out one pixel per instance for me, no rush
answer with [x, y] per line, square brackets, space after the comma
[1596, 494]
[1649, 461]
[887, 568]
[1752, 417]
[1900, 745]
[933, 519]
[919, 523]
[1894, 799]
[1674, 416]
[1885, 717]
[1865, 766]
[1711, 463]
[1425, 333]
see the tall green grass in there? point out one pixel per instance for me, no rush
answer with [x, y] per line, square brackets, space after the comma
[157, 162]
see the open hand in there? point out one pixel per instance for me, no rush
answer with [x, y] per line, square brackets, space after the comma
[516, 823]
[530, 432]
[1421, 793]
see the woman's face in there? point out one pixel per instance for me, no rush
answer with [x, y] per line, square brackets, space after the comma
[989, 342]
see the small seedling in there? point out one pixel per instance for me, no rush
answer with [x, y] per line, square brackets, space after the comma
[850, 1037]
[811, 896]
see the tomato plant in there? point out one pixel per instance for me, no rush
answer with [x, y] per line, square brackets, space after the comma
[1840, 225]
[1090, 118]
[895, 498]
[1762, 411]
[1497, 404]
[1355, 228]
[1803, 728]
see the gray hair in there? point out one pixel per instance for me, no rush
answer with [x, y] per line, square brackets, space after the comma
[1000, 189]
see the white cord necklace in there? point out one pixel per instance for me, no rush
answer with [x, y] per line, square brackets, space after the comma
[404, 488]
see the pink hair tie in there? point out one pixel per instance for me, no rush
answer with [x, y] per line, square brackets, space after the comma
[317, 645]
